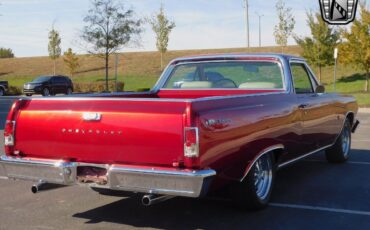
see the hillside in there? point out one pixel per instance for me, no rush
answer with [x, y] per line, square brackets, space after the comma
[132, 66]
[142, 69]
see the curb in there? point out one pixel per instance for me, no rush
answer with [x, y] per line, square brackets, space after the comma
[364, 110]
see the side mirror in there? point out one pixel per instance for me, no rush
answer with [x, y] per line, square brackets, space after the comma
[320, 89]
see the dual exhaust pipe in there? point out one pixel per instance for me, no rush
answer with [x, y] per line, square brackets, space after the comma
[146, 200]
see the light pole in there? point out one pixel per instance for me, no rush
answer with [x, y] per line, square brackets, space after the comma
[246, 7]
[259, 27]
[335, 67]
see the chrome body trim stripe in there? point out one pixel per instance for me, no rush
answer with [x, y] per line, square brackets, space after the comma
[184, 173]
[302, 157]
[317, 150]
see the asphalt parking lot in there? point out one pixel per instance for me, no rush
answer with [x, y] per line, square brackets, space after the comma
[311, 194]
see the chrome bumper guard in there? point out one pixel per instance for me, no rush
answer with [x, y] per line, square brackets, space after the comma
[163, 181]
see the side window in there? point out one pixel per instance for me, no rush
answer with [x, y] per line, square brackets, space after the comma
[301, 78]
[183, 73]
[61, 80]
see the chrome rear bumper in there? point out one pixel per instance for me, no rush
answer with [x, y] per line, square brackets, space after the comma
[164, 181]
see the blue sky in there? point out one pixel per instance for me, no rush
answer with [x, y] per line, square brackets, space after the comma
[201, 24]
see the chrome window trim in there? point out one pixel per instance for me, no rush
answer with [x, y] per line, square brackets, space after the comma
[312, 75]
[283, 60]
[278, 62]
[304, 63]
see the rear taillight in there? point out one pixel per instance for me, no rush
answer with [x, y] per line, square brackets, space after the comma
[9, 130]
[9, 133]
[191, 142]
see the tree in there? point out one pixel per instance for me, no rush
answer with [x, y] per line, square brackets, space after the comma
[6, 53]
[54, 46]
[319, 48]
[162, 27]
[283, 30]
[355, 48]
[71, 61]
[109, 28]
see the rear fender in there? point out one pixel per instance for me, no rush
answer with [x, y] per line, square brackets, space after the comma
[259, 155]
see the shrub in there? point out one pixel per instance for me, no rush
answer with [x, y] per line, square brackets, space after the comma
[143, 89]
[97, 87]
[14, 91]
[6, 53]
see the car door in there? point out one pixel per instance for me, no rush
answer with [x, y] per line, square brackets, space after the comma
[58, 85]
[316, 115]
[64, 84]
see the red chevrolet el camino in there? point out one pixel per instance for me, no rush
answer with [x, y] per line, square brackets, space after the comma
[210, 122]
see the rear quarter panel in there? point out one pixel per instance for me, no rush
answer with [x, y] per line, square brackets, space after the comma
[250, 124]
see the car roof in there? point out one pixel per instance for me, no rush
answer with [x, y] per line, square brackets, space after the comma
[50, 76]
[230, 56]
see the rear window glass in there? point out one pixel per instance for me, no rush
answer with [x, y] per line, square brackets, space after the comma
[226, 75]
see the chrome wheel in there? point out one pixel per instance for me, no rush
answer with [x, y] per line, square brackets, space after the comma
[263, 177]
[69, 91]
[340, 151]
[346, 142]
[1, 92]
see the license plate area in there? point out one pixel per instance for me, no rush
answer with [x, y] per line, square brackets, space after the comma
[92, 175]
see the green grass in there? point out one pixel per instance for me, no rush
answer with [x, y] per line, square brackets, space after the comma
[363, 99]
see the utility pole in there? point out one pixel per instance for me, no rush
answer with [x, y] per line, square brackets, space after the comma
[335, 68]
[116, 69]
[246, 7]
[259, 27]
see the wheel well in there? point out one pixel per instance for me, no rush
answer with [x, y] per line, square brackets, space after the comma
[277, 153]
[350, 117]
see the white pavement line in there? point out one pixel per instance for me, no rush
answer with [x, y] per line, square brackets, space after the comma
[348, 162]
[317, 208]
[3, 178]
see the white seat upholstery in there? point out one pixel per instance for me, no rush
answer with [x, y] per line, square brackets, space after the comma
[196, 85]
[258, 85]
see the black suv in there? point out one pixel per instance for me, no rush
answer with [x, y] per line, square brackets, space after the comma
[49, 85]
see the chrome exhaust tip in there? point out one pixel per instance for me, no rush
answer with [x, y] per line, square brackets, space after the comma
[37, 187]
[43, 186]
[151, 199]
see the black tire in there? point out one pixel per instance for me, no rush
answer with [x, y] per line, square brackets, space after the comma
[247, 194]
[29, 95]
[2, 92]
[46, 92]
[339, 152]
[69, 91]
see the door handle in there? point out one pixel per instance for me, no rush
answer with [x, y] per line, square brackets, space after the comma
[303, 106]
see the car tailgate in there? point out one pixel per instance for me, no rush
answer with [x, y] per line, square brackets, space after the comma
[130, 131]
